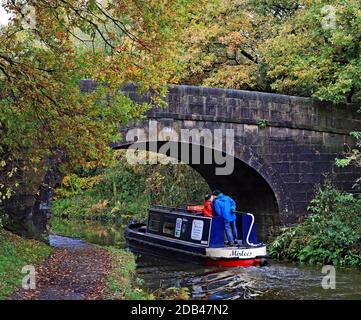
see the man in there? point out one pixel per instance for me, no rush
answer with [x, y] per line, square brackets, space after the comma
[224, 206]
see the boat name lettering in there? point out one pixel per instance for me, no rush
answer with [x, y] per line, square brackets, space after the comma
[241, 253]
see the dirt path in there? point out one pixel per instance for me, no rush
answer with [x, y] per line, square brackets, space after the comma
[74, 271]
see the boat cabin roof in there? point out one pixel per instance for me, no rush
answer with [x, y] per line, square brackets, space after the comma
[180, 224]
[176, 210]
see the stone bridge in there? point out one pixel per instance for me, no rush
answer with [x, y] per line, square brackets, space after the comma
[284, 146]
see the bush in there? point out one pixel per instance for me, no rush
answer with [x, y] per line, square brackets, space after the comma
[331, 234]
[127, 191]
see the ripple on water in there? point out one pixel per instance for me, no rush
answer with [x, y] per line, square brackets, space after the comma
[277, 281]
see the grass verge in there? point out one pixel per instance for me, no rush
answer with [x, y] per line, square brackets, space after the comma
[122, 282]
[15, 253]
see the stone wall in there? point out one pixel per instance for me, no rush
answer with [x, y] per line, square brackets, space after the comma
[296, 149]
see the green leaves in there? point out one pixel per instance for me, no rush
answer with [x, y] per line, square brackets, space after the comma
[15, 253]
[331, 234]
[352, 156]
[308, 59]
[221, 46]
[306, 48]
[126, 191]
[262, 124]
[113, 42]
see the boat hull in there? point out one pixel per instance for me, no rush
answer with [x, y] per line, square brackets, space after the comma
[256, 262]
[234, 256]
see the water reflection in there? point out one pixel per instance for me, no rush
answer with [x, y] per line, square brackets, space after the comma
[97, 232]
[277, 281]
[222, 284]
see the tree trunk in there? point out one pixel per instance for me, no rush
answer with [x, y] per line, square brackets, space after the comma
[29, 214]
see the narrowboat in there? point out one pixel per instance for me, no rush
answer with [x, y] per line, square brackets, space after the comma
[186, 232]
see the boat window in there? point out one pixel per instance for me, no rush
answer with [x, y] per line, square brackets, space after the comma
[154, 223]
[169, 228]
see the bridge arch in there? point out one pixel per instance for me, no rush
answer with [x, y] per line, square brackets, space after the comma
[254, 185]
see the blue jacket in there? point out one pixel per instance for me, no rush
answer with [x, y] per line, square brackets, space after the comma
[223, 206]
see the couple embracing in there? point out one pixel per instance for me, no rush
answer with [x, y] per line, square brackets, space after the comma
[219, 204]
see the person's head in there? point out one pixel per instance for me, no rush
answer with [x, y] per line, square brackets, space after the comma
[216, 193]
[208, 197]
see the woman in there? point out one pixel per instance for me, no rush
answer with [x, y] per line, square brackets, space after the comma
[207, 210]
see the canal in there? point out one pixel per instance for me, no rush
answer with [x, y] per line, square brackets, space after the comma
[279, 280]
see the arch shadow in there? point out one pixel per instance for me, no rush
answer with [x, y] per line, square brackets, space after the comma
[253, 184]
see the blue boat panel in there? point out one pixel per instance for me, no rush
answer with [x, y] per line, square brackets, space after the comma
[217, 233]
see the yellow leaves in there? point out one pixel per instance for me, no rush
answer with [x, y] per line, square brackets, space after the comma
[66, 181]
[133, 70]
[233, 40]
[175, 79]
[118, 207]
[234, 76]
[45, 66]
[222, 43]
[12, 172]
[74, 185]
[99, 207]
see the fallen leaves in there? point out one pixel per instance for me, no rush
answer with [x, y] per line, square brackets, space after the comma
[78, 273]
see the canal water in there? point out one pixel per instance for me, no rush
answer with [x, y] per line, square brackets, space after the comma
[279, 280]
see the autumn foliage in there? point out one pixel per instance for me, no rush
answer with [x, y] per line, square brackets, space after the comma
[298, 47]
[47, 48]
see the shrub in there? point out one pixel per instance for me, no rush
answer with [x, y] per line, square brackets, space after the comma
[331, 234]
[126, 191]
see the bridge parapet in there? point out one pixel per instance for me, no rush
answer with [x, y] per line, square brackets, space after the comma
[247, 107]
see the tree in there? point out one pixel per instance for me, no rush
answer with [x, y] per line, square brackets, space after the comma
[297, 47]
[317, 52]
[223, 42]
[221, 46]
[44, 117]
[301, 47]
